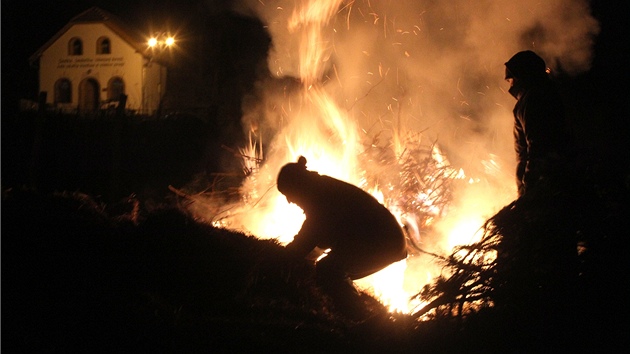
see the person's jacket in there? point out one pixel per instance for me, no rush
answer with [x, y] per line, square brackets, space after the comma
[349, 221]
[542, 141]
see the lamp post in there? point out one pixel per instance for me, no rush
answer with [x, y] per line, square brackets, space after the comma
[156, 45]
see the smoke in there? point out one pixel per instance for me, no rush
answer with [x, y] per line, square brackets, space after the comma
[396, 71]
[429, 66]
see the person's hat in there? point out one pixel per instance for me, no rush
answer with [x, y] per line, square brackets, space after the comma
[290, 176]
[525, 64]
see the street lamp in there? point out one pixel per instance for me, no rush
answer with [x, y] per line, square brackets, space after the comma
[157, 44]
[160, 42]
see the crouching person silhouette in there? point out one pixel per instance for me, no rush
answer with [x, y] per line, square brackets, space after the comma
[362, 235]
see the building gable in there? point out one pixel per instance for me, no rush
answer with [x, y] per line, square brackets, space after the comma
[97, 15]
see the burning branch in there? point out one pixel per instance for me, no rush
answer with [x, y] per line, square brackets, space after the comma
[526, 259]
[470, 283]
[415, 183]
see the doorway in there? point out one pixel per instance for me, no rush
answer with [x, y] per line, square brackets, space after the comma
[89, 99]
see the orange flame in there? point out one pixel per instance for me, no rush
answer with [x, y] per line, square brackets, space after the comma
[330, 140]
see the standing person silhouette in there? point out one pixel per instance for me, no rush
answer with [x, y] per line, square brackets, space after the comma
[540, 261]
[541, 137]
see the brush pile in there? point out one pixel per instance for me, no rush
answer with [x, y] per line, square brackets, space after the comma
[550, 261]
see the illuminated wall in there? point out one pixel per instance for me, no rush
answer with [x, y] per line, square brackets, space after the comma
[97, 61]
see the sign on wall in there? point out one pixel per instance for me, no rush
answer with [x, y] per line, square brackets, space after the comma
[70, 63]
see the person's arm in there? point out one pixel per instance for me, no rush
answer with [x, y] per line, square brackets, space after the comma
[520, 146]
[304, 242]
[543, 117]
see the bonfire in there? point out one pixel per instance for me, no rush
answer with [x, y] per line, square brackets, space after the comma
[405, 168]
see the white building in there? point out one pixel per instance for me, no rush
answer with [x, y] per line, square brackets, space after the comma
[94, 59]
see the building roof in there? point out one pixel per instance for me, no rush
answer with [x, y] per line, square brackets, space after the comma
[98, 15]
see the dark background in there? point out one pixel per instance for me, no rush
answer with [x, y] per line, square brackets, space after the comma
[220, 54]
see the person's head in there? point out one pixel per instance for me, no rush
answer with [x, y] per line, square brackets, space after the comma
[523, 70]
[291, 179]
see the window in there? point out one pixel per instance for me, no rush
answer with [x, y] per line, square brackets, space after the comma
[63, 91]
[115, 88]
[75, 46]
[103, 46]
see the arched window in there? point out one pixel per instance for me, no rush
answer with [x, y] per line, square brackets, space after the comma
[103, 46]
[75, 46]
[63, 91]
[115, 88]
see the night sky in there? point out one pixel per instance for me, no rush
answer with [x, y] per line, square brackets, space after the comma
[28, 24]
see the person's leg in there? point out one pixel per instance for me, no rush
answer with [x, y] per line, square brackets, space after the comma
[335, 282]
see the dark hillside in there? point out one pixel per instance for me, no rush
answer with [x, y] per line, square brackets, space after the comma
[106, 156]
[81, 276]
[76, 279]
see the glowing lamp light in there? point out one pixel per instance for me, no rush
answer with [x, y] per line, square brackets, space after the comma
[161, 41]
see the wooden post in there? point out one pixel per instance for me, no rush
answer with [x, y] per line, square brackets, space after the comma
[38, 138]
[119, 122]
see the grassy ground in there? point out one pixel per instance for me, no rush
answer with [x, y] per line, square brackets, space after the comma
[80, 276]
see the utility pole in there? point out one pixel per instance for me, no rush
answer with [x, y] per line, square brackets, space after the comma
[117, 149]
[38, 141]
